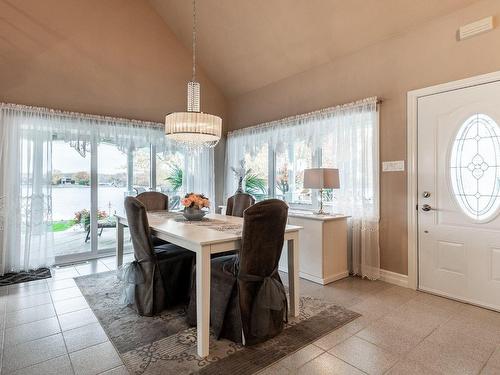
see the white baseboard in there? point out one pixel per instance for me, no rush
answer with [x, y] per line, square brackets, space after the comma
[319, 280]
[394, 278]
[338, 276]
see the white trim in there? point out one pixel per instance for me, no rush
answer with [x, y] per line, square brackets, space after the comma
[394, 278]
[318, 280]
[455, 298]
[411, 148]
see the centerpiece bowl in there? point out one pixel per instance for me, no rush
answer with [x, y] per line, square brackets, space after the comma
[193, 206]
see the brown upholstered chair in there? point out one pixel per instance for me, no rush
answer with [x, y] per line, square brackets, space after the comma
[154, 201]
[239, 203]
[162, 273]
[248, 300]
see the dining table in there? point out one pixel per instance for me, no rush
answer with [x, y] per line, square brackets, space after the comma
[214, 234]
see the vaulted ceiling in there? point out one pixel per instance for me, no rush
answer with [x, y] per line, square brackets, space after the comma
[244, 45]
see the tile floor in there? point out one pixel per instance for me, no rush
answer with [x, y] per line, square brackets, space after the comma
[48, 328]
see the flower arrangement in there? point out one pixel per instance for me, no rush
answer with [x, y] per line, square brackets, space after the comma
[197, 201]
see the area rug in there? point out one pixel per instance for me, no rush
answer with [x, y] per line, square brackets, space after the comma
[24, 276]
[165, 344]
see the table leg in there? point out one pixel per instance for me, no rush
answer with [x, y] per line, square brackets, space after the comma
[119, 243]
[293, 274]
[203, 300]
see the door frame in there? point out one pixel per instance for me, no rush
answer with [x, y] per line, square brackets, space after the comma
[412, 158]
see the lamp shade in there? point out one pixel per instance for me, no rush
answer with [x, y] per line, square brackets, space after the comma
[321, 178]
[194, 128]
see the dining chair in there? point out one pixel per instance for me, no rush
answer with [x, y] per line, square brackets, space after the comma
[154, 201]
[238, 203]
[248, 300]
[162, 274]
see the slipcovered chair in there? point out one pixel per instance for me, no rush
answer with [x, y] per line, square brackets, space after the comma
[160, 276]
[238, 203]
[248, 300]
[154, 201]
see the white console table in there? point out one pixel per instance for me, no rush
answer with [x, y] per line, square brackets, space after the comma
[323, 246]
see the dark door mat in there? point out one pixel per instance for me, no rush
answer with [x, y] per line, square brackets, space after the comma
[24, 276]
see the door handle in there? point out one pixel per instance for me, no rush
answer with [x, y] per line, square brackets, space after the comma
[426, 208]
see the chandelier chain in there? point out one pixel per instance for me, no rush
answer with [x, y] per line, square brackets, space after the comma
[194, 41]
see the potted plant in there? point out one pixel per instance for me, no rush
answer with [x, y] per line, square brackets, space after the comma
[194, 205]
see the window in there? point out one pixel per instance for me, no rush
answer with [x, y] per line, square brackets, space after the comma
[113, 186]
[70, 198]
[475, 167]
[170, 176]
[142, 169]
[257, 173]
[329, 159]
[70, 174]
[290, 165]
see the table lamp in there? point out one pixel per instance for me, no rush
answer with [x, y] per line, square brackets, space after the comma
[321, 178]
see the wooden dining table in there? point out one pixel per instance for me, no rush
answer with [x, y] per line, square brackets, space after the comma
[216, 234]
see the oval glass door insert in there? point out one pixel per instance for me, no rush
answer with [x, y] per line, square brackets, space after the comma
[475, 167]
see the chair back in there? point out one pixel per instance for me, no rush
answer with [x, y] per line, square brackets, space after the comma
[239, 203]
[262, 297]
[153, 200]
[263, 236]
[139, 230]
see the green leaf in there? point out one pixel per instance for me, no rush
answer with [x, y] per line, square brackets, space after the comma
[254, 184]
[174, 177]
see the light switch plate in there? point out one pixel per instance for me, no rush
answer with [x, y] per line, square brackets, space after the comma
[393, 166]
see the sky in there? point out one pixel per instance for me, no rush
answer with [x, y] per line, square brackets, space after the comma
[67, 160]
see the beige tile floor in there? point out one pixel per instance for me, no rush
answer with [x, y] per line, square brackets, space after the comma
[48, 328]
[401, 331]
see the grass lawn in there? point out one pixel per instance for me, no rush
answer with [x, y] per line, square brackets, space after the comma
[61, 226]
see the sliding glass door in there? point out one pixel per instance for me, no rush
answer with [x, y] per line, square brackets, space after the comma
[90, 191]
[71, 198]
[65, 175]
[114, 184]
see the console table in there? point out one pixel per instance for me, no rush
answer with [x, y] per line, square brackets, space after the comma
[323, 246]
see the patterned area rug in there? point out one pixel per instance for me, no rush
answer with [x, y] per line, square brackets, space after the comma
[165, 344]
[24, 276]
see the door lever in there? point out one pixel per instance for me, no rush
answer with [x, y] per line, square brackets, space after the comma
[426, 208]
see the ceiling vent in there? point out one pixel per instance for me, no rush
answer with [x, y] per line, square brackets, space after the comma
[475, 28]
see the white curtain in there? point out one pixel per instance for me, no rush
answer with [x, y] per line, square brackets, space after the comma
[353, 134]
[26, 136]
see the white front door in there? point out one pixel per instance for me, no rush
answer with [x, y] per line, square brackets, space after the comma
[459, 194]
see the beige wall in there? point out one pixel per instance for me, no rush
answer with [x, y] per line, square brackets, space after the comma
[113, 57]
[425, 56]
[118, 58]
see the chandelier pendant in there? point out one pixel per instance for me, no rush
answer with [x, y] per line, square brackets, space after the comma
[193, 128]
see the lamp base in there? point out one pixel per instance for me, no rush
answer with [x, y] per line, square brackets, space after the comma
[320, 212]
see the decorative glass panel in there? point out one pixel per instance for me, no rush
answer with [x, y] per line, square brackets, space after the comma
[475, 167]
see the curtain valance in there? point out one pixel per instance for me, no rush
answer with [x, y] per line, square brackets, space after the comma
[311, 127]
[80, 127]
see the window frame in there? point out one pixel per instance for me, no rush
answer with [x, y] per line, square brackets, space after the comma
[94, 252]
[316, 157]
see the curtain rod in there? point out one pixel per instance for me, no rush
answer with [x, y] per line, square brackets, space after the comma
[324, 111]
[70, 114]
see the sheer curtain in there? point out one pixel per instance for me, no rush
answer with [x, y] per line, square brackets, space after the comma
[348, 135]
[26, 136]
